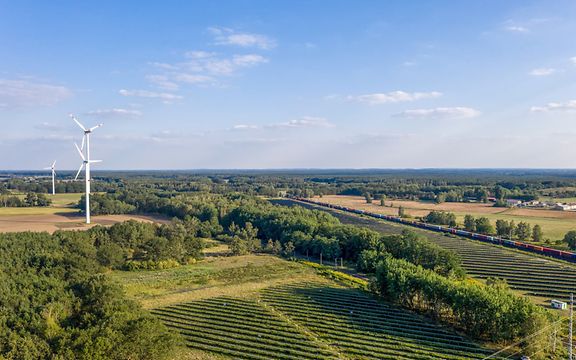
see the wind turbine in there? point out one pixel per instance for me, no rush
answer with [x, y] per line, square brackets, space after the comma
[85, 161]
[53, 175]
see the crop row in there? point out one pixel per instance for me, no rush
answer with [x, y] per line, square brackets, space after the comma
[337, 315]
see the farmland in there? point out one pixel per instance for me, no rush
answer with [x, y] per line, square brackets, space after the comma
[61, 215]
[261, 307]
[530, 275]
[554, 223]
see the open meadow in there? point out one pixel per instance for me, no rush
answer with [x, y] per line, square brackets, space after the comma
[554, 223]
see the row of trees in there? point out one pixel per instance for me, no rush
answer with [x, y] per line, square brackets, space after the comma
[522, 231]
[31, 199]
[490, 312]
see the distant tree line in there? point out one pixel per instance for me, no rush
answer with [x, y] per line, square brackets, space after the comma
[31, 199]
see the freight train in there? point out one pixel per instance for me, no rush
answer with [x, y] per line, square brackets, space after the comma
[560, 254]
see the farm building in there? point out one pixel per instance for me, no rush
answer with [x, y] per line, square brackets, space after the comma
[565, 207]
[513, 202]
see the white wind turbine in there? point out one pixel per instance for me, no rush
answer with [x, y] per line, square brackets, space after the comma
[53, 168]
[85, 161]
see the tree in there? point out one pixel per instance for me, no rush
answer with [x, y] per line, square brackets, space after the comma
[537, 234]
[502, 227]
[440, 198]
[238, 246]
[523, 231]
[269, 246]
[383, 200]
[570, 238]
[484, 226]
[401, 211]
[289, 249]
[277, 247]
[368, 198]
[469, 223]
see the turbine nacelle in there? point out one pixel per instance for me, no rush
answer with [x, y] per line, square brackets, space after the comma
[86, 130]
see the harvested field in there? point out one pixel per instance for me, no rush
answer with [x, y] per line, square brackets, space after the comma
[64, 221]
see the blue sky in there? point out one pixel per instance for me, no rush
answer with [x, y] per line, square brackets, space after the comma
[289, 84]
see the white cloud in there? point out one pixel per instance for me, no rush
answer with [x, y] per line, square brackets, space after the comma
[553, 106]
[517, 28]
[49, 126]
[163, 82]
[393, 97]
[245, 127]
[573, 60]
[202, 68]
[542, 72]
[26, 93]
[441, 113]
[304, 122]
[226, 36]
[150, 94]
[112, 113]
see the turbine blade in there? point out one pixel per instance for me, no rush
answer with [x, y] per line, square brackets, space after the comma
[95, 127]
[80, 152]
[78, 122]
[83, 140]
[94, 161]
[53, 164]
[48, 168]
[79, 170]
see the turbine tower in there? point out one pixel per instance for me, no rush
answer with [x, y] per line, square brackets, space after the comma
[53, 175]
[85, 161]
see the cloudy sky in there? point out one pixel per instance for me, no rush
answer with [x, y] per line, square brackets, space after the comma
[289, 83]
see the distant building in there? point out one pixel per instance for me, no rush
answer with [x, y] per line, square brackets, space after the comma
[564, 207]
[513, 202]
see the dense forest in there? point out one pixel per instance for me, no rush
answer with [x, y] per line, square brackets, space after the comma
[56, 303]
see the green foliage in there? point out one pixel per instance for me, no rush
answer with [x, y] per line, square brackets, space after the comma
[133, 265]
[55, 304]
[484, 226]
[570, 239]
[415, 249]
[537, 234]
[486, 312]
[105, 204]
[441, 218]
[505, 228]
[523, 231]
[469, 223]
